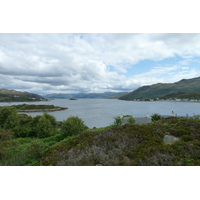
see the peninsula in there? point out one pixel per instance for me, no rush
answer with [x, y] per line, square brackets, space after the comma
[38, 108]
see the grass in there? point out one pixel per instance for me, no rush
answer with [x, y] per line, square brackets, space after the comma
[96, 130]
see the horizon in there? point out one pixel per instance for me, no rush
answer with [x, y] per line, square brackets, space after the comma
[93, 92]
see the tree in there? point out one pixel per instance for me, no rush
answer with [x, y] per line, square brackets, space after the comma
[51, 118]
[73, 126]
[43, 126]
[118, 121]
[5, 112]
[19, 124]
[35, 121]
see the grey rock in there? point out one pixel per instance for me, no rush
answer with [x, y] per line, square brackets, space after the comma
[170, 138]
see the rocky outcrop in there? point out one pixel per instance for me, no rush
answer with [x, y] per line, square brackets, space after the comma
[170, 138]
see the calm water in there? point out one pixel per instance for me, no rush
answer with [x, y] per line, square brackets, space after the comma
[100, 112]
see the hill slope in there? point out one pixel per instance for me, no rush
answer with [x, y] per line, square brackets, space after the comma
[162, 89]
[140, 145]
[14, 95]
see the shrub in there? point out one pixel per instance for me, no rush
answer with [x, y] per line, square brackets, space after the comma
[5, 134]
[72, 126]
[196, 116]
[43, 126]
[155, 117]
[35, 149]
[51, 118]
[187, 138]
[118, 121]
[5, 112]
[131, 120]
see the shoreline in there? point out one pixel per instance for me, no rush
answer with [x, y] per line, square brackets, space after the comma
[44, 110]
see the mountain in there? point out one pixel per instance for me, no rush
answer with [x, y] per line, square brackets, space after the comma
[104, 95]
[162, 89]
[18, 96]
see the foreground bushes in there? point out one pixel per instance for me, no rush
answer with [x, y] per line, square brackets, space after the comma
[131, 145]
[26, 140]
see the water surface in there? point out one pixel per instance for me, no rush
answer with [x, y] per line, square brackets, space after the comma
[100, 112]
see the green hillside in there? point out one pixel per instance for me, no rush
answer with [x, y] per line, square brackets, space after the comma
[162, 89]
[18, 96]
[182, 95]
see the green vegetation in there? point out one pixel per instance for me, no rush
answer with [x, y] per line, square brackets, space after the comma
[40, 140]
[183, 95]
[131, 144]
[17, 96]
[72, 126]
[32, 107]
[120, 120]
[186, 88]
[24, 139]
[155, 117]
[36, 108]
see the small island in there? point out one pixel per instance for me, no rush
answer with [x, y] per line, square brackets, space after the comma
[72, 99]
[38, 108]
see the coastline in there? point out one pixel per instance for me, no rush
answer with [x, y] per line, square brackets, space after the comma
[44, 110]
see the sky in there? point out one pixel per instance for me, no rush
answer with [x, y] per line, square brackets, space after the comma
[45, 63]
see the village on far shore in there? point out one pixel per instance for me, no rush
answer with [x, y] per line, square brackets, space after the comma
[160, 99]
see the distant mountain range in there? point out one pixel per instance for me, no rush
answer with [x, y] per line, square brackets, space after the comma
[104, 95]
[17, 96]
[184, 88]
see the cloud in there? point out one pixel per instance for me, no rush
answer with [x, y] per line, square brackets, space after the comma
[45, 63]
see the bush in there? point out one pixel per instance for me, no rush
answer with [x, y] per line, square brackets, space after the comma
[43, 126]
[5, 134]
[187, 138]
[20, 125]
[131, 120]
[35, 149]
[5, 112]
[72, 126]
[196, 116]
[118, 121]
[155, 117]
